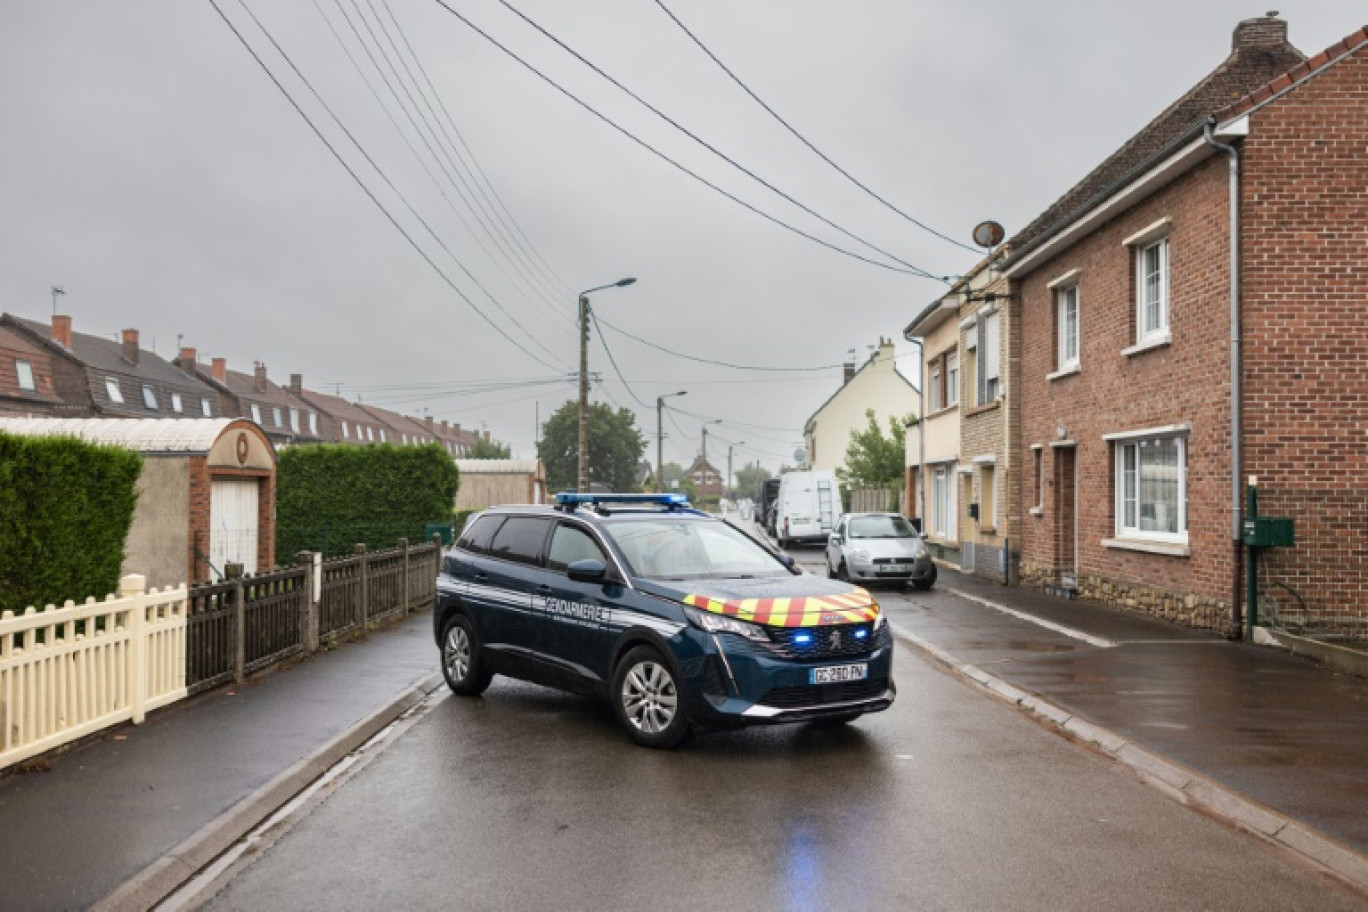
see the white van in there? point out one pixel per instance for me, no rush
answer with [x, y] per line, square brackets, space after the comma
[807, 507]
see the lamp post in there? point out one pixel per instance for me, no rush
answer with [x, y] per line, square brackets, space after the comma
[704, 460]
[730, 447]
[582, 462]
[660, 437]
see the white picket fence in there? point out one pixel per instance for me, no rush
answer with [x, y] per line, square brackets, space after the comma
[70, 671]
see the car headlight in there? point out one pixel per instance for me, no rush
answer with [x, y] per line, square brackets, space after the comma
[880, 620]
[721, 623]
[859, 554]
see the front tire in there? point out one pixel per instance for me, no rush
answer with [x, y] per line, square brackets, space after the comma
[926, 582]
[647, 700]
[462, 665]
[842, 573]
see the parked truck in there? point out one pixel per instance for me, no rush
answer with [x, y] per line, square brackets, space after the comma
[807, 507]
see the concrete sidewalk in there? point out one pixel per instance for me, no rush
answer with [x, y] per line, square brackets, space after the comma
[1271, 742]
[128, 816]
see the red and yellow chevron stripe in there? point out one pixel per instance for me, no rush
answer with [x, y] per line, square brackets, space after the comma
[854, 607]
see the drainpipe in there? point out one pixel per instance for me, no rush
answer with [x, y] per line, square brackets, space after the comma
[1237, 553]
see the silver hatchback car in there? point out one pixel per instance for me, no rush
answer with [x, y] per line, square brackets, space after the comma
[879, 548]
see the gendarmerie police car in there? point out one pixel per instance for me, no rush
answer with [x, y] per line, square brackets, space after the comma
[680, 619]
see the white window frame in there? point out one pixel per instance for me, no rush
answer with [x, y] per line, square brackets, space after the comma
[294, 420]
[206, 407]
[149, 396]
[275, 414]
[1152, 305]
[1129, 484]
[24, 373]
[313, 423]
[935, 404]
[1067, 318]
[177, 404]
[256, 412]
[989, 366]
[346, 430]
[943, 510]
[112, 388]
[952, 378]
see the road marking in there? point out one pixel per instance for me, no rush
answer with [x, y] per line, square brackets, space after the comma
[1100, 642]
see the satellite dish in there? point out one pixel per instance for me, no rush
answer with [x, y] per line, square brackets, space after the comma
[988, 234]
[800, 455]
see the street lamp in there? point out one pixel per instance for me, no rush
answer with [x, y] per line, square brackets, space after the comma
[705, 450]
[730, 447]
[582, 462]
[660, 437]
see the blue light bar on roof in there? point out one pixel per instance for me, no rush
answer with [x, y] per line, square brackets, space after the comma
[567, 498]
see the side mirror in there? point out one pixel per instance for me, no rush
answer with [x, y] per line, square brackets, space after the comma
[587, 571]
[786, 559]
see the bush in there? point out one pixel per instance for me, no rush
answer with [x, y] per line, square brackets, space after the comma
[65, 510]
[330, 497]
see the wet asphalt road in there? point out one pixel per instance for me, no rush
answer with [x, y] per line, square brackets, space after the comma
[531, 799]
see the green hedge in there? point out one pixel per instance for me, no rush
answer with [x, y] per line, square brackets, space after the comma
[330, 497]
[65, 510]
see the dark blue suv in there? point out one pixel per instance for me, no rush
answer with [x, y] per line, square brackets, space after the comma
[678, 618]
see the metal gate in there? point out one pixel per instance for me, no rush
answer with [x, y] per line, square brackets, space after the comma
[233, 524]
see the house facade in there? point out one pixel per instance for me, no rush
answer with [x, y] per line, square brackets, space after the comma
[1156, 377]
[876, 385]
[28, 382]
[932, 442]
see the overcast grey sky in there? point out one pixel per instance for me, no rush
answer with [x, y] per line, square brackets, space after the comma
[151, 168]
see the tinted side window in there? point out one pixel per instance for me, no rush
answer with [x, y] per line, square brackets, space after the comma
[479, 533]
[570, 544]
[520, 539]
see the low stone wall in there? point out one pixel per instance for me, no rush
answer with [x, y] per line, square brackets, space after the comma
[1184, 608]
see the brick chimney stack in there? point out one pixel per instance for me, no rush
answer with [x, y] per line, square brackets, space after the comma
[297, 384]
[1267, 32]
[61, 330]
[259, 382]
[189, 361]
[427, 419]
[218, 369]
[849, 372]
[130, 346]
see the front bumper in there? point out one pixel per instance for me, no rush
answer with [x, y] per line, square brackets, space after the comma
[921, 568]
[737, 682]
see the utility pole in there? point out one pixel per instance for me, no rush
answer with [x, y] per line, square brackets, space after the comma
[582, 460]
[660, 438]
[730, 447]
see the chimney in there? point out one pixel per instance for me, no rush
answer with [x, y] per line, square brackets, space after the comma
[427, 419]
[61, 330]
[189, 360]
[849, 369]
[456, 429]
[1268, 32]
[486, 436]
[260, 379]
[130, 346]
[297, 384]
[219, 370]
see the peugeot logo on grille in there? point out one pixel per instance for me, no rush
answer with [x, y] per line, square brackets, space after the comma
[835, 639]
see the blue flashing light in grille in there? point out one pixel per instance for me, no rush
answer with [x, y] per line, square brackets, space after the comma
[802, 639]
[862, 633]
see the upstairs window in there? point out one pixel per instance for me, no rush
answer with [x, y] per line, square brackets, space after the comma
[989, 382]
[277, 417]
[149, 397]
[25, 371]
[256, 413]
[177, 405]
[294, 420]
[952, 378]
[1152, 286]
[313, 423]
[346, 431]
[1066, 322]
[933, 390]
[207, 408]
[112, 388]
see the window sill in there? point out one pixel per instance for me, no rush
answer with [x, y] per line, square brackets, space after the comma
[988, 530]
[954, 407]
[1149, 345]
[1170, 549]
[1064, 372]
[1036, 511]
[980, 409]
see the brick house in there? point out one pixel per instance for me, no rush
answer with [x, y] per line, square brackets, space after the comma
[285, 416]
[1155, 377]
[27, 382]
[707, 481]
[99, 377]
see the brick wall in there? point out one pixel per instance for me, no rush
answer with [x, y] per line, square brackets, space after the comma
[1305, 252]
[1185, 382]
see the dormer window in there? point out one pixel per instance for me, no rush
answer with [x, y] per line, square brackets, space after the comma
[149, 397]
[25, 371]
[256, 413]
[207, 408]
[112, 388]
[176, 405]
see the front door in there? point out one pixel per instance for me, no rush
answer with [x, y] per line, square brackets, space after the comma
[233, 524]
[966, 522]
[1066, 513]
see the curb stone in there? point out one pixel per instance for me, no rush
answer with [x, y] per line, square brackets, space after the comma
[1167, 776]
[163, 877]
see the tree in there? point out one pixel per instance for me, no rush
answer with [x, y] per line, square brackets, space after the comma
[615, 447]
[748, 480]
[489, 449]
[873, 460]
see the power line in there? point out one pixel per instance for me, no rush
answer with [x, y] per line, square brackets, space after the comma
[360, 183]
[613, 361]
[623, 332]
[801, 138]
[921, 273]
[705, 144]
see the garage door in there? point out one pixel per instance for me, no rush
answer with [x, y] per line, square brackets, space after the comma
[233, 524]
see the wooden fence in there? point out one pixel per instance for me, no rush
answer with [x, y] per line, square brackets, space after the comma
[68, 672]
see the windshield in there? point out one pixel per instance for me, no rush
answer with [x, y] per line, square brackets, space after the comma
[674, 548]
[881, 526]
